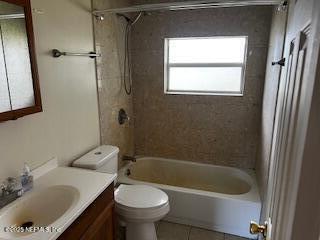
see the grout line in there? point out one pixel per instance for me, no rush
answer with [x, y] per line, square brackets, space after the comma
[157, 226]
[190, 227]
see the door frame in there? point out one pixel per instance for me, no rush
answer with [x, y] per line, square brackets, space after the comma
[293, 174]
[274, 149]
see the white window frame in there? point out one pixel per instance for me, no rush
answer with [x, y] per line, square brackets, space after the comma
[167, 66]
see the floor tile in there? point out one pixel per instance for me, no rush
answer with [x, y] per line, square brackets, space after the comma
[172, 231]
[156, 224]
[202, 234]
[231, 237]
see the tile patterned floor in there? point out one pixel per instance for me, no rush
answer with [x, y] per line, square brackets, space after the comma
[173, 231]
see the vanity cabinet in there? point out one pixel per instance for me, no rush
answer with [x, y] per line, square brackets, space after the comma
[96, 222]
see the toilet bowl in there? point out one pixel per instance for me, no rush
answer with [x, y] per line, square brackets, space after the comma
[137, 206]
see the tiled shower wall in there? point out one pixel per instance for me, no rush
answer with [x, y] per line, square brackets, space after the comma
[213, 129]
[109, 40]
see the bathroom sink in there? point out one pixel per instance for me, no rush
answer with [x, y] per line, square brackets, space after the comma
[39, 208]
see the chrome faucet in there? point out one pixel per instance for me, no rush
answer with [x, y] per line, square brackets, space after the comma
[129, 158]
[9, 186]
[10, 191]
[13, 188]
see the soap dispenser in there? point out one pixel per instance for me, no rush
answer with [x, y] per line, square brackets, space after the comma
[26, 178]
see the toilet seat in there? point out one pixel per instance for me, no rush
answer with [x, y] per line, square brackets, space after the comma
[140, 196]
[142, 215]
[141, 203]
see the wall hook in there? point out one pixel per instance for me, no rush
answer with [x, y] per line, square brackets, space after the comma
[281, 62]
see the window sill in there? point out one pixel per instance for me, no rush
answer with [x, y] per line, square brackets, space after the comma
[204, 93]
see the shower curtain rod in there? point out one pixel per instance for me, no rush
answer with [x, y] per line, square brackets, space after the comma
[186, 5]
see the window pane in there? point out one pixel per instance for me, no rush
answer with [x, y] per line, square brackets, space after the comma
[207, 50]
[205, 79]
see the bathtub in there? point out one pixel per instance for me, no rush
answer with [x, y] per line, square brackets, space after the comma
[222, 199]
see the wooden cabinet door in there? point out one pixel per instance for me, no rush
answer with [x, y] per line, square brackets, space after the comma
[103, 227]
[96, 222]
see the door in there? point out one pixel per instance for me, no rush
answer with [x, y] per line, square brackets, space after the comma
[291, 120]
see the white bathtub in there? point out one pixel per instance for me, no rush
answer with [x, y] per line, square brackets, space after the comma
[223, 199]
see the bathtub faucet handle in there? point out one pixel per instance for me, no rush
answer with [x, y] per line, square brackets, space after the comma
[123, 117]
[129, 158]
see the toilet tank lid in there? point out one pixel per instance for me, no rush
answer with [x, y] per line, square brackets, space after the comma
[97, 157]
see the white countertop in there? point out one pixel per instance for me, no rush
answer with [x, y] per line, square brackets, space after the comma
[90, 185]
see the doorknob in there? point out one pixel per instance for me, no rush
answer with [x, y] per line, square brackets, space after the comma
[256, 229]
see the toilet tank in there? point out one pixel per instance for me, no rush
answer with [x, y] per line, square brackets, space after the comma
[102, 159]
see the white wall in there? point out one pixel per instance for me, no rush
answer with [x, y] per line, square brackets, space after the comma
[69, 124]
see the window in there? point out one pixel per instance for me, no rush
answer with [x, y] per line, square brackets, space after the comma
[205, 66]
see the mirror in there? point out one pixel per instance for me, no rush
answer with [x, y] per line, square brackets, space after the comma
[19, 84]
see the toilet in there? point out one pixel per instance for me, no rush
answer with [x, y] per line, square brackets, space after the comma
[137, 206]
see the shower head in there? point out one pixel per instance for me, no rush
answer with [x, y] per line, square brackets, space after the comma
[99, 17]
[125, 17]
[127, 62]
[129, 20]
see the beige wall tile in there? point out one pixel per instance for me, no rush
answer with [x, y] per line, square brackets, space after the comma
[109, 38]
[213, 129]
